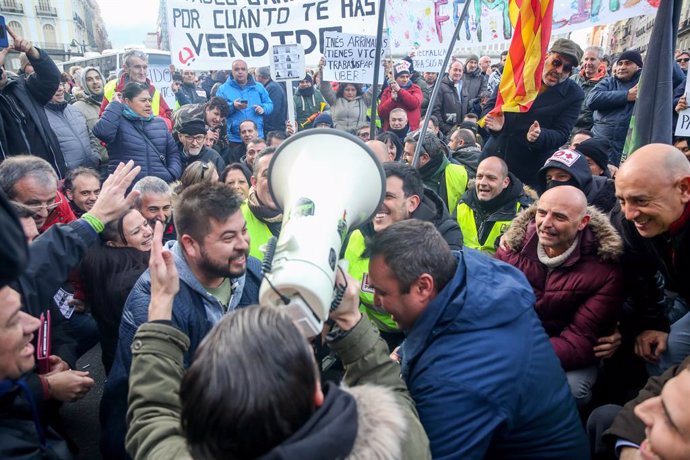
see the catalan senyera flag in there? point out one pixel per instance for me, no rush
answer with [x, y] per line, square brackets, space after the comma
[521, 79]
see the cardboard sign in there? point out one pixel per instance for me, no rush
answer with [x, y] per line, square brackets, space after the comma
[350, 58]
[683, 126]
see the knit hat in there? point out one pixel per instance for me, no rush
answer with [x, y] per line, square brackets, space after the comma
[472, 57]
[572, 162]
[568, 48]
[632, 56]
[193, 127]
[23, 61]
[597, 149]
[401, 68]
[308, 78]
[324, 117]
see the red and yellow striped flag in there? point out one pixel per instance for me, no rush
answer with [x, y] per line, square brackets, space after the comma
[521, 79]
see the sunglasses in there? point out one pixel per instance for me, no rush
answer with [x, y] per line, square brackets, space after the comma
[567, 67]
[682, 60]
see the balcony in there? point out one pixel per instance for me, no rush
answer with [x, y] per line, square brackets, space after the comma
[43, 10]
[51, 46]
[11, 7]
[79, 20]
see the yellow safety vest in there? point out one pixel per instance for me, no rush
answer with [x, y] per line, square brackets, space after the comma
[470, 235]
[109, 90]
[456, 184]
[259, 232]
[359, 270]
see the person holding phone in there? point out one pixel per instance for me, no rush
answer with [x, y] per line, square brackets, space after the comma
[24, 127]
[248, 100]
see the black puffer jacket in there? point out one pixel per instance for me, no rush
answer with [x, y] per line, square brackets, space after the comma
[433, 209]
[24, 127]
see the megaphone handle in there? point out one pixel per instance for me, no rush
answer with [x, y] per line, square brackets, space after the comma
[339, 289]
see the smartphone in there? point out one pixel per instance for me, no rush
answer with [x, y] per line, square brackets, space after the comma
[4, 41]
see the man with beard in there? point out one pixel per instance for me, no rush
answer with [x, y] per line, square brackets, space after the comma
[591, 73]
[406, 198]
[213, 114]
[82, 186]
[485, 211]
[89, 103]
[263, 217]
[309, 102]
[525, 140]
[216, 276]
[155, 204]
[192, 137]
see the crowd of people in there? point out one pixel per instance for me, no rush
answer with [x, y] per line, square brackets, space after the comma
[518, 293]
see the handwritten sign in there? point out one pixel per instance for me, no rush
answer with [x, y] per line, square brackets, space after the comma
[683, 126]
[205, 34]
[350, 58]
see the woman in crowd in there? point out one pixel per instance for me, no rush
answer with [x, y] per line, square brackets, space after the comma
[132, 132]
[198, 172]
[349, 103]
[393, 143]
[109, 271]
[237, 176]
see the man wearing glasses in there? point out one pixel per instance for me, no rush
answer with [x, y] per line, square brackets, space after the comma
[613, 100]
[526, 140]
[32, 182]
[683, 58]
[192, 137]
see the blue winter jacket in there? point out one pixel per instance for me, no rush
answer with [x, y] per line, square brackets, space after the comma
[195, 312]
[612, 112]
[125, 140]
[255, 94]
[483, 374]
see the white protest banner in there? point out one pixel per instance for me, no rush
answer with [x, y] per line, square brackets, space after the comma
[428, 25]
[350, 58]
[683, 126]
[210, 34]
[161, 78]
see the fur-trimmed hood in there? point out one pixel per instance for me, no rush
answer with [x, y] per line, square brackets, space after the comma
[608, 243]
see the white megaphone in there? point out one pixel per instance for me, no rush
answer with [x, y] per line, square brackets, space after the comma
[326, 182]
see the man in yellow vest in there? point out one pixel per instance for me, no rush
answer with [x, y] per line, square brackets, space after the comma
[448, 180]
[135, 65]
[263, 217]
[406, 198]
[485, 211]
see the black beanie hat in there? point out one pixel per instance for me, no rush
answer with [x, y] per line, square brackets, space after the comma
[573, 163]
[632, 56]
[597, 149]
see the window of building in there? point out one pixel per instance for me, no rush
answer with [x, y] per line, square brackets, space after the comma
[16, 28]
[49, 34]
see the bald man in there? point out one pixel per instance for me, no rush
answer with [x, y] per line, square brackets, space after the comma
[381, 151]
[570, 254]
[485, 211]
[653, 187]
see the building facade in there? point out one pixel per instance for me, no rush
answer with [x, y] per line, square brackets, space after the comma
[63, 28]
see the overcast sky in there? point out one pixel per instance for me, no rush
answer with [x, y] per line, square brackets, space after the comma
[128, 21]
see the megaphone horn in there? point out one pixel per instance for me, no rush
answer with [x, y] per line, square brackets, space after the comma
[326, 182]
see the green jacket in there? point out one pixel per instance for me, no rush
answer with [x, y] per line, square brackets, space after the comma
[382, 397]
[306, 106]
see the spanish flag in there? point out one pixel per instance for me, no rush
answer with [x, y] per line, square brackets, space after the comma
[521, 79]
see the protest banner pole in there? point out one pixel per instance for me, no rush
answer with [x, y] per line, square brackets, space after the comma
[437, 85]
[377, 64]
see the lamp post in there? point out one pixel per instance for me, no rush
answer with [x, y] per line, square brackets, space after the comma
[80, 46]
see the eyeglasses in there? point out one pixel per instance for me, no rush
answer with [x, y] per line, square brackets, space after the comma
[199, 138]
[682, 60]
[567, 67]
[36, 208]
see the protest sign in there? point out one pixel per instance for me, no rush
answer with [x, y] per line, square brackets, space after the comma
[287, 62]
[207, 34]
[350, 58]
[161, 78]
[683, 126]
[428, 25]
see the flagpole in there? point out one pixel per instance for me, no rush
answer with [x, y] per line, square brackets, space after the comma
[377, 64]
[434, 92]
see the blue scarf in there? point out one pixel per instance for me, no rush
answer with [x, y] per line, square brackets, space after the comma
[130, 114]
